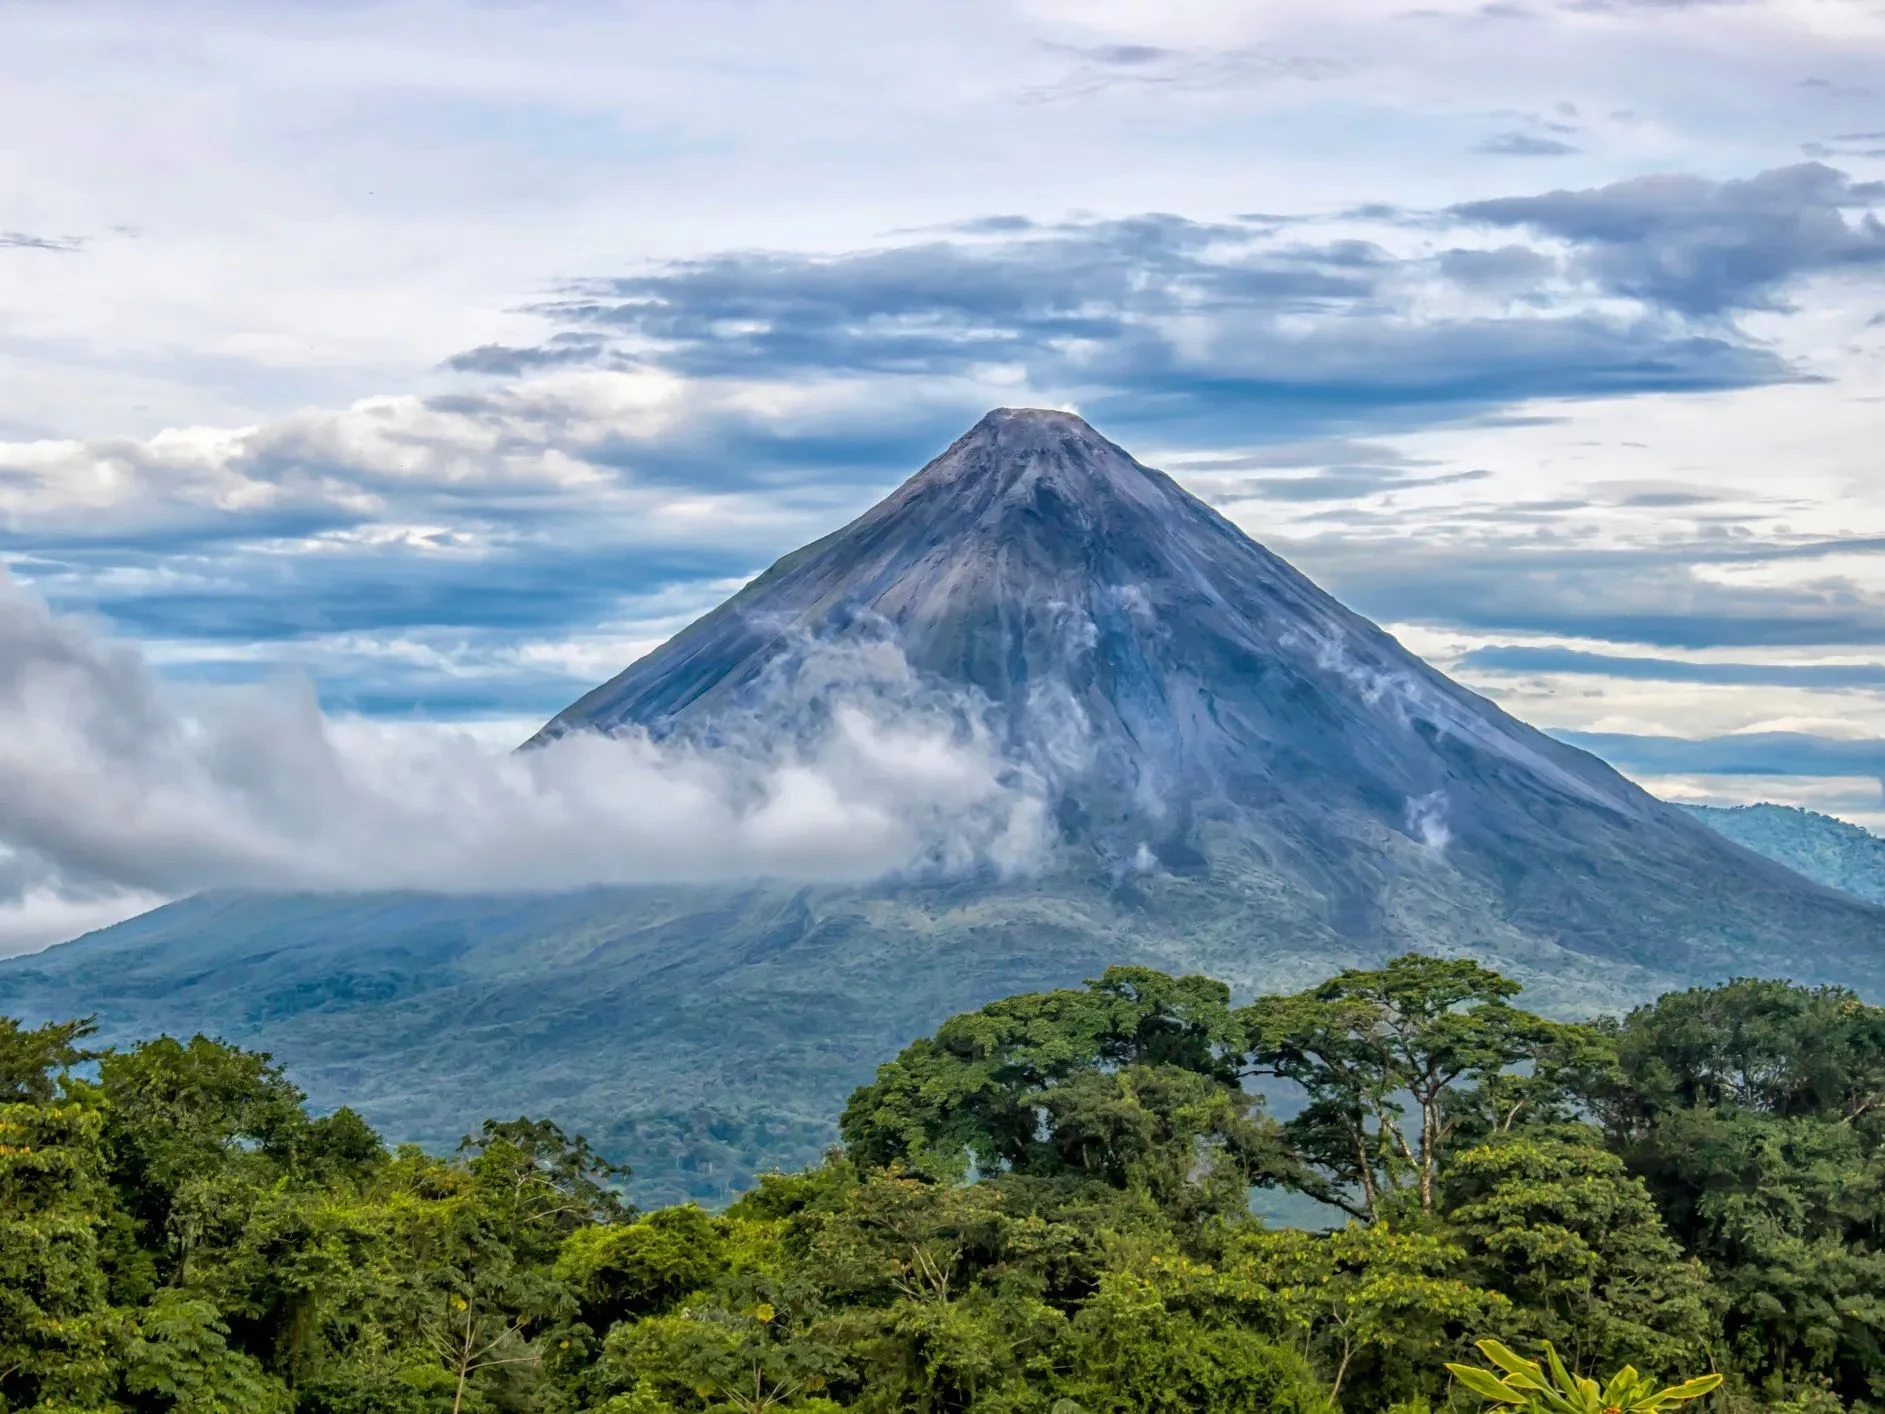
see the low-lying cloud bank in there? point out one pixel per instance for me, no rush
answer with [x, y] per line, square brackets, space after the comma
[117, 788]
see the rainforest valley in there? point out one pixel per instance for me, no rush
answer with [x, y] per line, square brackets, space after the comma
[1049, 1205]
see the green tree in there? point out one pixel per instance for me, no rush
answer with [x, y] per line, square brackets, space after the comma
[196, 1131]
[756, 1348]
[1367, 1297]
[1133, 1082]
[56, 1327]
[1131, 1350]
[626, 1271]
[1367, 1045]
[1752, 1113]
[34, 1063]
[1577, 1247]
[180, 1360]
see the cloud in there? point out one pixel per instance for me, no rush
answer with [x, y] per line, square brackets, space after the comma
[1514, 658]
[1617, 7]
[1547, 584]
[444, 555]
[1742, 754]
[683, 424]
[1517, 144]
[1346, 483]
[1703, 247]
[39, 918]
[20, 240]
[1154, 320]
[1869, 146]
[1516, 268]
[113, 782]
[504, 360]
[1102, 68]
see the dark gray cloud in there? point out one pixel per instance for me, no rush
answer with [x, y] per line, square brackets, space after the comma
[251, 596]
[20, 240]
[1670, 498]
[1341, 482]
[1507, 268]
[1521, 144]
[1525, 658]
[1654, 596]
[1130, 55]
[1200, 330]
[1701, 247]
[1743, 754]
[503, 360]
[1837, 148]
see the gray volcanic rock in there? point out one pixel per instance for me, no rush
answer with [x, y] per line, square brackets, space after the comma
[1249, 781]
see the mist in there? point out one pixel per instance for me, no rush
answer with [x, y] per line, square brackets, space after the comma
[119, 789]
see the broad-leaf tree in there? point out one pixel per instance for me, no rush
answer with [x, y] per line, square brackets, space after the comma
[1388, 1059]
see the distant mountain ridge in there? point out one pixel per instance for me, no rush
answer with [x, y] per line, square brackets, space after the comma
[1246, 779]
[1832, 852]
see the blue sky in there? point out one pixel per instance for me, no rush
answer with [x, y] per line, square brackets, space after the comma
[455, 354]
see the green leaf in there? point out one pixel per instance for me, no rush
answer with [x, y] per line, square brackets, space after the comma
[1621, 1385]
[1560, 1377]
[1506, 1359]
[1485, 1384]
[1688, 1389]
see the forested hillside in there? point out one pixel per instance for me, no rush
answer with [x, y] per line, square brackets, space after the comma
[1832, 852]
[1044, 1206]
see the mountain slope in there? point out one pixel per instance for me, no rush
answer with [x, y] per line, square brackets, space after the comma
[1246, 779]
[1825, 850]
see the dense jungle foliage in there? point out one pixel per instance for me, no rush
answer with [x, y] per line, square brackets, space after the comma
[1044, 1206]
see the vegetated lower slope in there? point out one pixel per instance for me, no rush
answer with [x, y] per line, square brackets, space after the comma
[1246, 779]
[1832, 852]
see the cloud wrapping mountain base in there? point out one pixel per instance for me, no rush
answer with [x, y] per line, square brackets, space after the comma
[113, 782]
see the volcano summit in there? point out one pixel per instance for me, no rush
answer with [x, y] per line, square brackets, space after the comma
[1237, 774]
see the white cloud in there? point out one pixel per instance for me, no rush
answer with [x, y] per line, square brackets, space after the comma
[112, 782]
[43, 917]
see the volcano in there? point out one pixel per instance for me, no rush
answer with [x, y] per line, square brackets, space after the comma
[1243, 778]
[1192, 697]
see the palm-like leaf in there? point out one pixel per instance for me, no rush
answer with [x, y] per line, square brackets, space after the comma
[1524, 1383]
[1677, 1394]
[1622, 1385]
[1507, 1359]
[1487, 1385]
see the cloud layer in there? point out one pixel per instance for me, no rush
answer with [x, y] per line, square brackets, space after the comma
[673, 430]
[114, 783]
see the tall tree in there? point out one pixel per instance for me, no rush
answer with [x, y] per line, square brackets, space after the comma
[56, 1326]
[1367, 1045]
[1554, 1223]
[1133, 1082]
[1753, 1113]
